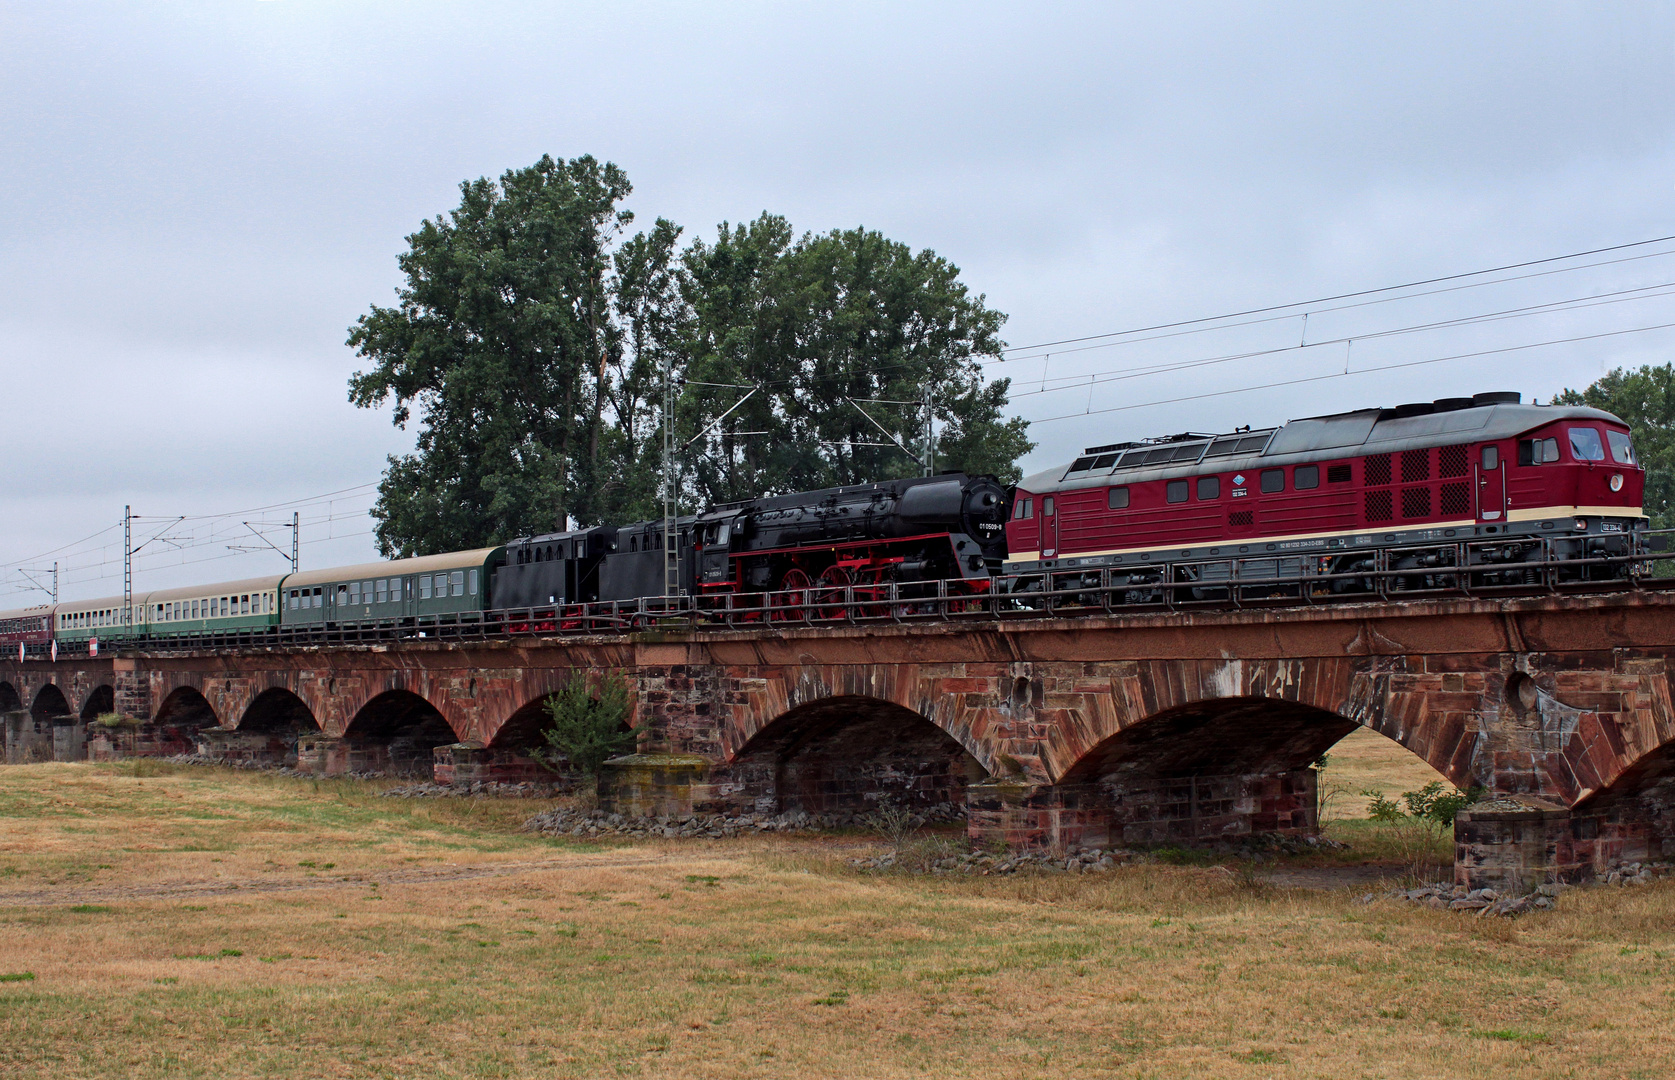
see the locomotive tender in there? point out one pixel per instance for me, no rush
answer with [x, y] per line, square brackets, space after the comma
[1374, 492]
[1483, 491]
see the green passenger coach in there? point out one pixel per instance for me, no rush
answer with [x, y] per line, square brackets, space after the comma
[249, 606]
[411, 592]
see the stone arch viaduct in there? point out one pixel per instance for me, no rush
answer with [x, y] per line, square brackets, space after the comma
[1164, 727]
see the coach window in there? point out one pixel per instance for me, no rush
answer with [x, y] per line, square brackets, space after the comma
[1586, 445]
[457, 581]
[1209, 487]
[319, 601]
[1117, 498]
[471, 586]
[424, 587]
[1176, 491]
[1491, 458]
[1273, 480]
[1304, 477]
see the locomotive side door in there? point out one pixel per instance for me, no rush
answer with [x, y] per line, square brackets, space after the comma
[1049, 527]
[1491, 484]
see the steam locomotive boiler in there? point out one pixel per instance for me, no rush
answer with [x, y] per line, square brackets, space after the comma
[950, 527]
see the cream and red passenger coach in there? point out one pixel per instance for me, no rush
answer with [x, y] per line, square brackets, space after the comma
[1489, 479]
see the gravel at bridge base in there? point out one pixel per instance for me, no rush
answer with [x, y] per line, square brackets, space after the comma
[1488, 902]
[573, 822]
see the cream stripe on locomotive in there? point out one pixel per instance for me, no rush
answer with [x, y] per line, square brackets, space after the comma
[1514, 515]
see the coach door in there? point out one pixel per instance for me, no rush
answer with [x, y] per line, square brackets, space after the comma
[1491, 485]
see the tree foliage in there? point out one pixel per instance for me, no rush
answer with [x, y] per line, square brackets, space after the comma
[1644, 398]
[531, 338]
[586, 731]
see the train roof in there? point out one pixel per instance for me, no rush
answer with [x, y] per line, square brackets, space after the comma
[805, 498]
[247, 585]
[23, 613]
[1349, 434]
[422, 564]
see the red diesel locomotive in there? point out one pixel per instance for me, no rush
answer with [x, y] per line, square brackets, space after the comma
[1374, 500]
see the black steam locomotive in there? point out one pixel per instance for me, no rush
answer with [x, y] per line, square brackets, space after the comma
[866, 537]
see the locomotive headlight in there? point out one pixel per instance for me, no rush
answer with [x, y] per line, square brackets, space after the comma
[1616, 481]
[1581, 523]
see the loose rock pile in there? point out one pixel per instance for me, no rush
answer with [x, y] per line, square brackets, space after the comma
[494, 789]
[564, 822]
[1084, 861]
[1636, 873]
[1446, 895]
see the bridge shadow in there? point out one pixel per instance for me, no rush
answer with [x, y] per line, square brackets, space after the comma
[396, 732]
[10, 701]
[274, 725]
[854, 754]
[100, 702]
[50, 706]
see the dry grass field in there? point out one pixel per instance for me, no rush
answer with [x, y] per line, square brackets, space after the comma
[170, 922]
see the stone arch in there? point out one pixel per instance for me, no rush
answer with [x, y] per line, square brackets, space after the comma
[51, 706]
[186, 708]
[523, 728]
[1422, 712]
[963, 705]
[10, 700]
[397, 732]
[851, 753]
[1211, 768]
[269, 730]
[1634, 817]
[102, 700]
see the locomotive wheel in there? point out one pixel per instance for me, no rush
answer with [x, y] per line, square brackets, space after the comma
[833, 580]
[790, 602]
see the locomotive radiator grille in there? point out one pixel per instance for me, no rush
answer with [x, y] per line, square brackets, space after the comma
[1416, 466]
[1416, 502]
[1456, 499]
[1453, 461]
[1376, 471]
[1378, 503]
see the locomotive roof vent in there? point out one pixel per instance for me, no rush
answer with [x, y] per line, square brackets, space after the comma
[1452, 404]
[1497, 397]
[1401, 412]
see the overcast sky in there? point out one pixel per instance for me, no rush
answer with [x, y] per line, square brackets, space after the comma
[201, 198]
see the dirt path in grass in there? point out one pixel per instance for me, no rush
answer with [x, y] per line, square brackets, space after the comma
[188, 889]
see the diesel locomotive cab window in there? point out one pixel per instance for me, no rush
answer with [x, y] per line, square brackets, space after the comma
[1622, 450]
[1538, 451]
[1176, 491]
[1491, 458]
[1304, 477]
[1273, 480]
[1117, 498]
[1209, 487]
[1585, 444]
[1024, 510]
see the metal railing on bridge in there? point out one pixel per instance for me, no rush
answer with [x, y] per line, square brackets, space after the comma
[1464, 569]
